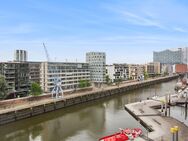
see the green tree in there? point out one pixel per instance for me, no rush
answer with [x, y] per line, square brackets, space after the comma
[81, 84]
[166, 73]
[118, 81]
[36, 89]
[84, 83]
[146, 76]
[107, 79]
[3, 87]
[87, 83]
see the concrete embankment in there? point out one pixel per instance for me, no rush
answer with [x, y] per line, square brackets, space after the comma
[33, 108]
[158, 125]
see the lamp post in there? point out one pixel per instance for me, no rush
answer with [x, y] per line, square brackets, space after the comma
[176, 129]
[172, 130]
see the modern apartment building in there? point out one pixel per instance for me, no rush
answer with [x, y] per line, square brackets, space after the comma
[69, 73]
[153, 68]
[117, 71]
[97, 66]
[20, 56]
[16, 75]
[180, 68]
[34, 72]
[140, 70]
[135, 71]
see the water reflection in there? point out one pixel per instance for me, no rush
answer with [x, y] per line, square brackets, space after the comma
[86, 122]
[57, 125]
[180, 113]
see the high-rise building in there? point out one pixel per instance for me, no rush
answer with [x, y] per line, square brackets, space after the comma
[172, 56]
[185, 55]
[69, 73]
[17, 76]
[97, 66]
[20, 56]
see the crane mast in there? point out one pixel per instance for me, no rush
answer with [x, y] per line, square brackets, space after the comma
[57, 91]
[46, 52]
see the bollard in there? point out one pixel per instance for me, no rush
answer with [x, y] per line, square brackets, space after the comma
[176, 128]
[166, 105]
[162, 106]
[172, 130]
[169, 99]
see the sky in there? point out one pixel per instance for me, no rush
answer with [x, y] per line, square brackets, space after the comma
[127, 30]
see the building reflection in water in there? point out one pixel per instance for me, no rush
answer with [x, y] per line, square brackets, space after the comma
[55, 126]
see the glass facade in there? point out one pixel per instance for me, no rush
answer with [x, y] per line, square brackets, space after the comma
[168, 57]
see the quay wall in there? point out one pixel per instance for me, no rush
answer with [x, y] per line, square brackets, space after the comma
[11, 103]
[12, 115]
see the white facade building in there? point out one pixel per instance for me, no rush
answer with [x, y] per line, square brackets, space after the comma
[125, 71]
[185, 55]
[97, 66]
[69, 73]
[167, 69]
[117, 71]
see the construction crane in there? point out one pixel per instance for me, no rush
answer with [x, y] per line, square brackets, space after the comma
[57, 90]
[46, 51]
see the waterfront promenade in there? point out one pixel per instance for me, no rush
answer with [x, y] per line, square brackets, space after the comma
[24, 108]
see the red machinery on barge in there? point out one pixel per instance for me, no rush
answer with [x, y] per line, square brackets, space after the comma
[124, 135]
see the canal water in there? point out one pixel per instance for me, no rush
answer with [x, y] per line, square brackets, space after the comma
[84, 122]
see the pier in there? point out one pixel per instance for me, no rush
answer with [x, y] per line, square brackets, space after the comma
[157, 124]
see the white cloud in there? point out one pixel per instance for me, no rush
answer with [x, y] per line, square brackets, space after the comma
[165, 15]
[139, 20]
[17, 29]
[179, 29]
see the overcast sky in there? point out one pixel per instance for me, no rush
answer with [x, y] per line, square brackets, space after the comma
[127, 30]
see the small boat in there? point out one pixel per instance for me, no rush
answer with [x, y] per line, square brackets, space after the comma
[123, 135]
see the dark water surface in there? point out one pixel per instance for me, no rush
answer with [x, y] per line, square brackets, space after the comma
[179, 113]
[85, 122]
